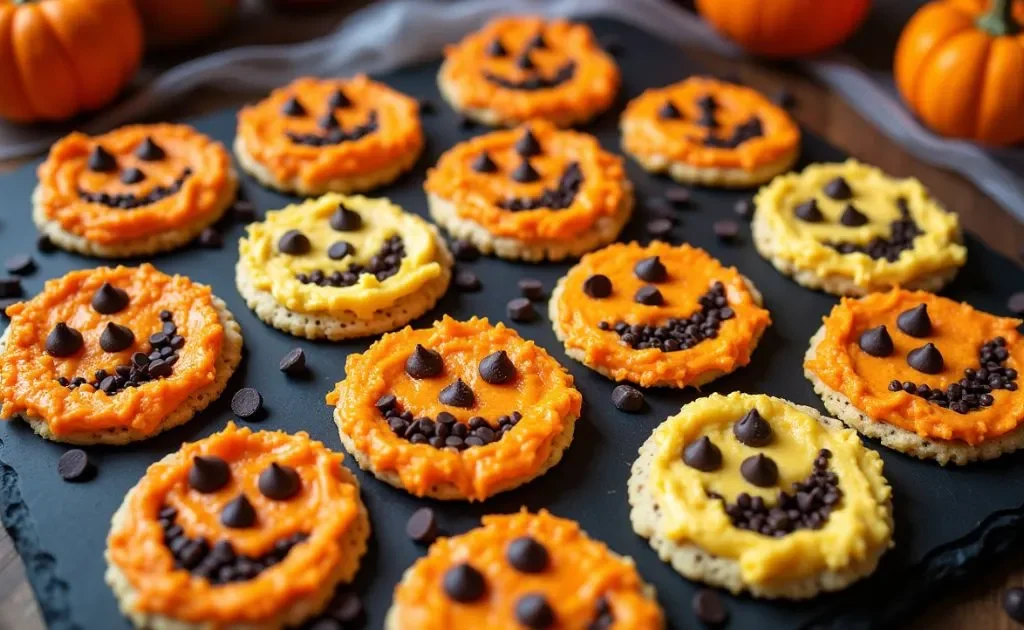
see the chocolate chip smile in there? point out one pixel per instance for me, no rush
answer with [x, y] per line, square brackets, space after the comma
[558, 198]
[444, 431]
[902, 233]
[564, 74]
[386, 262]
[333, 134]
[131, 201]
[679, 333]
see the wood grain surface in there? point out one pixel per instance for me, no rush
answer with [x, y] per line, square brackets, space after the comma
[976, 606]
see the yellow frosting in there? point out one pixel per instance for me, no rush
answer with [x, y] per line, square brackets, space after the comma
[858, 526]
[270, 270]
[876, 195]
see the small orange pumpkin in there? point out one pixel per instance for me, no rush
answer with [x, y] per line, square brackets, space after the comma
[62, 57]
[785, 28]
[177, 23]
[960, 67]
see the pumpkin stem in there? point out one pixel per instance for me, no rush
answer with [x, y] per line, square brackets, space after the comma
[999, 21]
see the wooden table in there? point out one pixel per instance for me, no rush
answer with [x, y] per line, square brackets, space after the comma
[824, 113]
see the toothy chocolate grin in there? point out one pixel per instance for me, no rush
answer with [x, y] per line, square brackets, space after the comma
[131, 201]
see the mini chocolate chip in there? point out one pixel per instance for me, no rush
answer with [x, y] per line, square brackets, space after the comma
[293, 363]
[294, 243]
[809, 211]
[852, 217]
[659, 228]
[109, 299]
[496, 49]
[668, 111]
[925, 359]
[457, 394]
[101, 161]
[278, 482]
[753, 430]
[483, 163]
[531, 288]
[292, 107]
[20, 264]
[340, 249]
[534, 611]
[63, 341]
[132, 175]
[598, 286]
[210, 238]
[328, 122]
[338, 100]
[1013, 603]
[915, 322]
[208, 473]
[466, 123]
[345, 220]
[760, 470]
[876, 342]
[424, 363]
[10, 288]
[524, 173]
[463, 583]
[702, 455]
[467, 281]
[838, 189]
[116, 338]
[726, 229]
[524, 62]
[521, 310]
[422, 526]
[677, 195]
[709, 608]
[527, 145]
[238, 514]
[526, 555]
[497, 368]
[649, 296]
[45, 244]
[651, 270]
[149, 151]
[627, 398]
[1016, 303]
[74, 465]
[246, 403]
[427, 106]
[744, 208]
[465, 251]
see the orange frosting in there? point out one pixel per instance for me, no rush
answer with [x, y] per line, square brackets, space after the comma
[591, 89]
[65, 173]
[28, 375]
[682, 139]
[581, 571]
[325, 507]
[542, 392]
[476, 195]
[958, 331]
[264, 129]
[691, 272]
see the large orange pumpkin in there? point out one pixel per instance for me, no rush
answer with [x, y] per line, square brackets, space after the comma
[960, 68]
[785, 28]
[174, 23]
[62, 57]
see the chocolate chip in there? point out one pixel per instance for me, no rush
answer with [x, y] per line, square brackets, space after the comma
[45, 244]
[132, 175]
[116, 338]
[925, 359]
[424, 363]
[293, 363]
[345, 220]
[294, 243]
[702, 455]
[677, 195]
[784, 98]
[760, 470]
[613, 46]
[238, 514]
[497, 368]
[386, 403]
[521, 310]
[876, 342]
[659, 228]
[20, 264]
[537, 41]
[524, 62]
[838, 189]
[531, 288]
[524, 173]
[101, 161]
[1013, 603]
[753, 430]
[852, 217]
[651, 270]
[534, 611]
[464, 584]
[668, 111]
[292, 107]
[526, 555]
[422, 526]
[208, 473]
[63, 341]
[483, 164]
[278, 482]
[467, 281]
[246, 403]
[10, 288]
[597, 286]
[466, 123]
[74, 465]
[627, 398]
[328, 122]
[149, 151]
[457, 394]
[527, 145]
[427, 106]
[338, 100]
[744, 209]
[1016, 303]
[649, 296]
[915, 322]
[809, 211]
[465, 251]
[708, 608]
[726, 229]
[210, 238]
[243, 211]
[109, 299]
[340, 249]
[496, 49]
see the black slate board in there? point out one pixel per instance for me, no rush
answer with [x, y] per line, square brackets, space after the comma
[948, 521]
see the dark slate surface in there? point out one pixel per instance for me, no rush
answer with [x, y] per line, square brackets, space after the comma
[949, 522]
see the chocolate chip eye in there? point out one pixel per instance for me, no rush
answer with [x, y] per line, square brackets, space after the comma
[524, 62]
[753, 430]
[496, 49]
[63, 341]
[278, 482]
[838, 189]
[345, 220]
[464, 584]
[484, 164]
[852, 217]
[915, 322]
[703, 455]
[597, 286]
[294, 243]
[668, 111]
[238, 514]
[808, 211]
[293, 108]
[527, 145]
[108, 299]
[926, 359]
[116, 338]
[101, 161]
[424, 363]
[537, 41]
[150, 151]
[497, 368]
[534, 611]
[876, 342]
[527, 555]
[651, 270]
[208, 474]
[457, 394]
[338, 100]
[760, 470]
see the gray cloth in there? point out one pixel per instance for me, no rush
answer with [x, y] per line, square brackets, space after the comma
[415, 30]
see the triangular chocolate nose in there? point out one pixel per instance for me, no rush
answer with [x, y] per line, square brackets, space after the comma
[527, 145]
[915, 322]
[345, 220]
[926, 359]
[524, 62]
[63, 341]
[328, 121]
[238, 514]
[703, 455]
[497, 368]
[876, 342]
[651, 270]
[150, 151]
[760, 470]
[458, 394]
[108, 299]
[838, 189]
[852, 217]
[116, 338]
[208, 473]
[525, 173]
[279, 483]
[753, 430]
[423, 363]
[101, 161]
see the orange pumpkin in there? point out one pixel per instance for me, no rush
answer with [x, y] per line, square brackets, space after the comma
[62, 57]
[176, 23]
[785, 28]
[960, 68]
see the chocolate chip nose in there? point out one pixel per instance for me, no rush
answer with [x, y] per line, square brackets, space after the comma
[457, 394]
[760, 470]
[852, 217]
[525, 173]
[926, 359]
[116, 338]
[132, 176]
[238, 514]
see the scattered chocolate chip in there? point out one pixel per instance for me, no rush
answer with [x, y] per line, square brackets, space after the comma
[338, 100]
[852, 217]
[132, 175]
[467, 281]
[116, 338]
[208, 473]
[1016, 303]
[628, 398]
[524, 61]
[526, 555]
[524, 173]
[340, 249]
[238, 514]
[809, 211]
[427, 106]
[527, 146]
[466, 123]
[496, 49]
[109, 299]
[74, 465]
[534, 611]
[925, 359]
[744, 209]
[465, 251]
[422, 526]
[278, 482]
[457, 394]
[294, 243]
[293, 363]
[345, 220]
[10, 288]
[531, 288]
[708, 608]
[484, 164]
[463, 583]
[612, 46]
[651, 270]
[659, 228]
[760, 470]
[292, 107]
[668, 111]
[1013, 603]
[784, 98]
[753, 430]
[347, 609]
[210, 238]
[726, 229]
[597, 286]
[677, 195]
[424, 363]
[648, 295]
[20, 264]
[63, 341]
[915, 322]
[101, 161]
[876, 342]
[838, 189]
[45, 245]
[497, 369]
[149, 151]
[246, 403]
[702, 455]
[521, 310]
